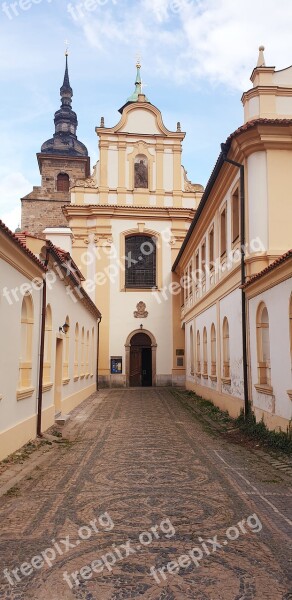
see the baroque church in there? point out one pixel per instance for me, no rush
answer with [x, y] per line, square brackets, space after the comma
[124, 226]
[194, 286]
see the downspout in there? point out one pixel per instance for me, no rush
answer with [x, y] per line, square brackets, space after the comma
[97, 356]
[243, 277]
[42, 345]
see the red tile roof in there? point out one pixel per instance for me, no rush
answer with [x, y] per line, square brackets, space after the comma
[271, 267]
[20, 242]
[251, 124]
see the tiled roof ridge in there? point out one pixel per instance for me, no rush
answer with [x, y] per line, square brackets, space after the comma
[22, 245]
[281, 259]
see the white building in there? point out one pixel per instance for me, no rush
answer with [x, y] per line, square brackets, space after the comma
[70, 359]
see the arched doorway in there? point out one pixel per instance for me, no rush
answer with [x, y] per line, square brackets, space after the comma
[140, 359]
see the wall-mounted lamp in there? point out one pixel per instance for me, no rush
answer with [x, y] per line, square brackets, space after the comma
[64, 328]
[141, 326]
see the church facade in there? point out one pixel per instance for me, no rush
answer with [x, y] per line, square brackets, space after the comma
[126, 224]
[194, 285]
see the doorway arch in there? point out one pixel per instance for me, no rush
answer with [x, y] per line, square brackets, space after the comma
[140, 350]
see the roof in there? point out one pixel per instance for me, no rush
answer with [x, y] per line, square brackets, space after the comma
[219, 163]
[21, 244]
[279, 261]
[63, 258]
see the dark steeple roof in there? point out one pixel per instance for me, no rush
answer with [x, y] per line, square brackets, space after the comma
[65, 139]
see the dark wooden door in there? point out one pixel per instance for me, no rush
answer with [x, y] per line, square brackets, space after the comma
[135, 367]
[146, 367]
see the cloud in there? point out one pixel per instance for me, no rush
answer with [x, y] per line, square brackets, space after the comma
[195, 41]
[12, 187]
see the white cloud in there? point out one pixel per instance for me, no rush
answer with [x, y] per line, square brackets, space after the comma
[12, 187]
[191, 41]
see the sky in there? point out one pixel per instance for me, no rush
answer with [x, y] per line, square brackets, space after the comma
[197, 57]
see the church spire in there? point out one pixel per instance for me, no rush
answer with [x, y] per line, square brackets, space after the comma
[65, 138]
[138, 89]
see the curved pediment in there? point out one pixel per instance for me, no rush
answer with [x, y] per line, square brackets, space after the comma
[141, 118]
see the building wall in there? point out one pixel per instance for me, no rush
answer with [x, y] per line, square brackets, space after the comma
[228, 396]
[18, 404]
[43, 206]
[275, 408]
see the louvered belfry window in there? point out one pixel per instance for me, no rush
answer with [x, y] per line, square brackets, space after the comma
[140, 262]
[63, 182]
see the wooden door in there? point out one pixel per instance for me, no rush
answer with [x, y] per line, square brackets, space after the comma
[135, 367]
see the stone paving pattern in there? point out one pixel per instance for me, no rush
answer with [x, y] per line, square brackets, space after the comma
[140, 456]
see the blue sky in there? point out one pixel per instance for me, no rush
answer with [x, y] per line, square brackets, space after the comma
[197, 57]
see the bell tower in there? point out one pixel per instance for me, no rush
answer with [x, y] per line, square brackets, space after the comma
[62, 160]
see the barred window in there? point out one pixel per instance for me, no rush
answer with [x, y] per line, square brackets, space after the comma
[140, 261]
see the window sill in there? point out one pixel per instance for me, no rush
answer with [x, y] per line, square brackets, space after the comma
[213, 377]
[205, 375]
[226, 380]
[23, 393]
[153, 288]
[198, 374]
[262, 388]
[76, 378]
[82, 376]
[47, 386]
[65, 381]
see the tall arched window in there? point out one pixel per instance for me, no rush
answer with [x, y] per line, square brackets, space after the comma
[92, 351]
[66, 354]
[25, 363]
[226, 349]
[141, 175]
[140, 261]
[82, 367]
[205, 352]
[192, 358]
[198, 353]
[87, 354]
[213, 351]
[63, 182]
[48, 346]
[263, 345]
[76, 352]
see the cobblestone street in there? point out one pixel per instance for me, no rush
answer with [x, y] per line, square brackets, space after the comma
[169, 486]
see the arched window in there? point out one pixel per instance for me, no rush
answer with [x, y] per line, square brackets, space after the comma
[198, 353]
[205, 352]
[66, 355]
[87, 354]
[25, 366]
[192, 351]
[141, 175]
[82, 369]
[76, 352]
[263, 345]
[226, 349]
[48, 346]
[140, 261]
[63, 182]
[92, 351]
[213, 351]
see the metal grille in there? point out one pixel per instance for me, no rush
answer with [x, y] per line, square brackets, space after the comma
[140, 261]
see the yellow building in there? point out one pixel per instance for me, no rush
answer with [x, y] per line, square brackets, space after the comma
[236, 322]
[127, 224]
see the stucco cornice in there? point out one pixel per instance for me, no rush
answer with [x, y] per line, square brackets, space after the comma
[119, 212]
